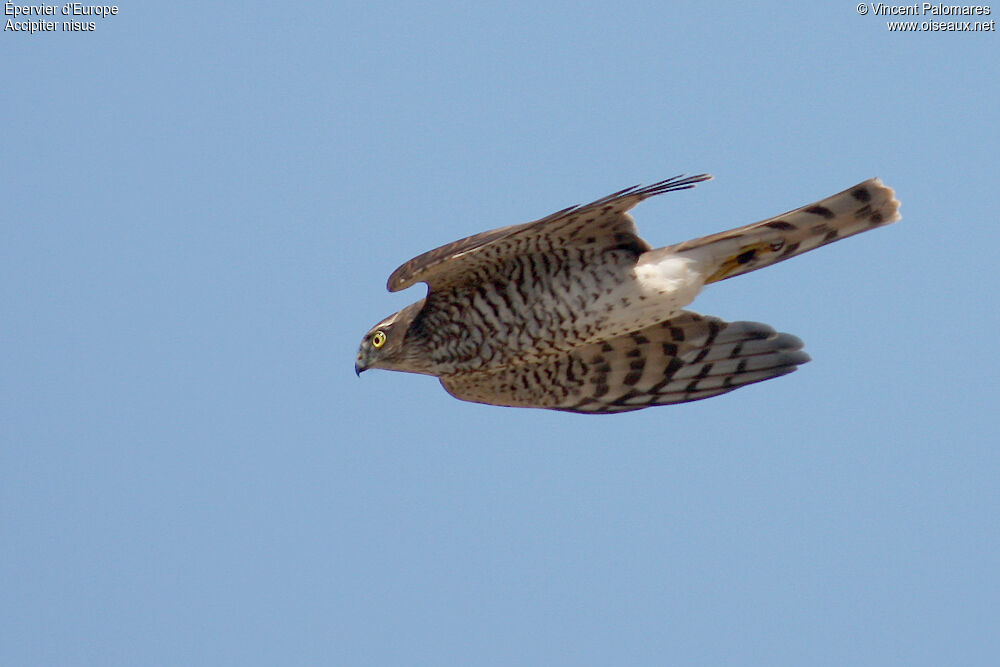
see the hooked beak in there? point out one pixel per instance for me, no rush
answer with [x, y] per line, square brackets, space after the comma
[358, 367]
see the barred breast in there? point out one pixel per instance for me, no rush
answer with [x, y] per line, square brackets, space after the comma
[537, 305]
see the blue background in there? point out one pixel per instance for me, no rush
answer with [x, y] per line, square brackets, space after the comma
[201, 203]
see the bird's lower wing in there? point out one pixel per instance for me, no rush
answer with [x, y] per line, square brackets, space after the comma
[686, 358]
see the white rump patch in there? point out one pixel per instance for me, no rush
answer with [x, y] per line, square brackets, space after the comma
[673, 278]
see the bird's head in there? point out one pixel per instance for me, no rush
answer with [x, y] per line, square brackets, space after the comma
[384, 346]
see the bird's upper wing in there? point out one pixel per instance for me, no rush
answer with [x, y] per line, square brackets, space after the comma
[604, 223]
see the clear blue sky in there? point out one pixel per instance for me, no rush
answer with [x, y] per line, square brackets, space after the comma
[201, 204]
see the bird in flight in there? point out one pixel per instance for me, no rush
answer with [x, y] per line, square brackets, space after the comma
[576, 312]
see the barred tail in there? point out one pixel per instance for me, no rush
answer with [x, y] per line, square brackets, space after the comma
[865, 206]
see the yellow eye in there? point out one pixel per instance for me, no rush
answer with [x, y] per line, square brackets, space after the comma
[378, 339]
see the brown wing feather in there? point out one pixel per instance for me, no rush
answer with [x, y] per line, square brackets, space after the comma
[604, 222]
[686, 358]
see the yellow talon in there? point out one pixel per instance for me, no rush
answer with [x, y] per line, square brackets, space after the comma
[747, 255]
